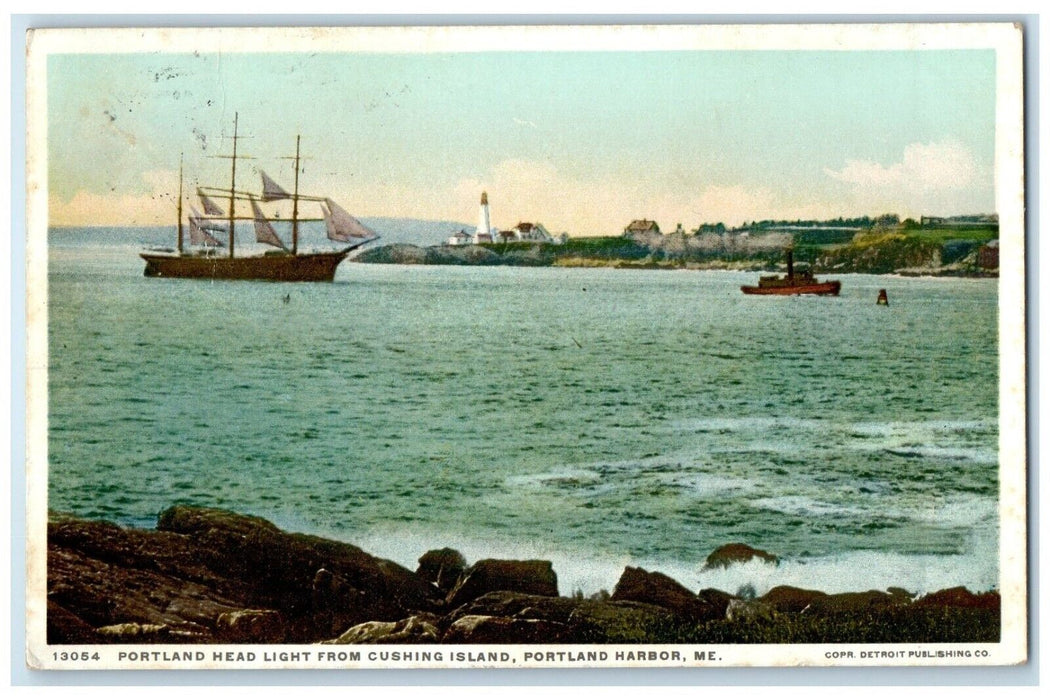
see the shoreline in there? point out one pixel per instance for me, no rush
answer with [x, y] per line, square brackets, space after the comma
[545, 255]
[213, 576]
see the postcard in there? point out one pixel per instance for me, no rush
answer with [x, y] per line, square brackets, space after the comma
[526, 347]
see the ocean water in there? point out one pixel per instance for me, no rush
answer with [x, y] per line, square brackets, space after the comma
[597, 418]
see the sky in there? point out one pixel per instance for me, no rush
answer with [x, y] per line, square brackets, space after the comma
[583, 142]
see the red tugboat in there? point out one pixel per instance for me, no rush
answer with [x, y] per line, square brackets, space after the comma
[793, 283]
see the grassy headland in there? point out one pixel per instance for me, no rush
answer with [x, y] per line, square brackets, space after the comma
[878, 246]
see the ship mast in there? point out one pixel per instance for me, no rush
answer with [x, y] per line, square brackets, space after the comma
[233, 179]
[295, 201]
[180, 204]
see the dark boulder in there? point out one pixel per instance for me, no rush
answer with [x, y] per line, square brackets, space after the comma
[960, 597]
[737, 553]
[856, 603]
[789, 599]
[520, 605]
[621, 622]
[281, 571]
[441, 567]
[527, 576]
[655, 588]
[719, 599]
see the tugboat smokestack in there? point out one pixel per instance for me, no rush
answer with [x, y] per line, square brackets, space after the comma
[790, 284]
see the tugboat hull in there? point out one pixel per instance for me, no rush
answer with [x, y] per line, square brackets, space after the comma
[793, 283]
[309, 267]
[818, 288]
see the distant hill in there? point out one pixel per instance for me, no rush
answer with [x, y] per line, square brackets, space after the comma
[419, 232]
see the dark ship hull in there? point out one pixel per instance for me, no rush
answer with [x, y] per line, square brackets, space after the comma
[791, 288]
[794, 283]
[304, 267]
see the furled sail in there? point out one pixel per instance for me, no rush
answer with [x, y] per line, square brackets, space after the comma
[264, 232]
[271, 190]
[341, 225]
[210, 207]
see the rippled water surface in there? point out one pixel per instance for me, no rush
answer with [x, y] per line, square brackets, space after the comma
[594, 417]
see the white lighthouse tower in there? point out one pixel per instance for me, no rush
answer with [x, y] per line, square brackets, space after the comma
[484, 232]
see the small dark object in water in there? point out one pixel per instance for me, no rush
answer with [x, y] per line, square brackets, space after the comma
[883, 300]
[287, 298]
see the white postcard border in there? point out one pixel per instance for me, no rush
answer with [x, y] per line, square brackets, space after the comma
[1004, 38]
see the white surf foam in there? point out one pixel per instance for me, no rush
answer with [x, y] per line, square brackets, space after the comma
[862, 571]
[591, 572]
[803, 506]
[747, 424]
[575, 476]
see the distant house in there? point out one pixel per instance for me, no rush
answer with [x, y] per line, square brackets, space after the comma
[526, 231]
[461, 238]
[641, 227]
[988, 255]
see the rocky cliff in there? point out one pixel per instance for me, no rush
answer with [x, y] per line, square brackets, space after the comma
[209, 576]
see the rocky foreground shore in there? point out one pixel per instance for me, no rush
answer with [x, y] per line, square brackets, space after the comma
[208, 576]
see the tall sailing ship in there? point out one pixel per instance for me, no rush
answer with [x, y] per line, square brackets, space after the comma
[209, 256]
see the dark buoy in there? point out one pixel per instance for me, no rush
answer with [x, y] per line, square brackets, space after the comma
[883, 300]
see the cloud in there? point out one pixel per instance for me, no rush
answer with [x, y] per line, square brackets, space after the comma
[941, 177]
[926, 166]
